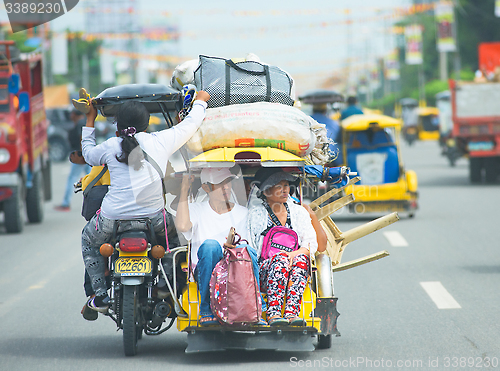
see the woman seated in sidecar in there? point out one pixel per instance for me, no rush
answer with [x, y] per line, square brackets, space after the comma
[285, 273]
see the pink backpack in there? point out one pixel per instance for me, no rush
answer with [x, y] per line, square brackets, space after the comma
[279, 239]
[234, 291]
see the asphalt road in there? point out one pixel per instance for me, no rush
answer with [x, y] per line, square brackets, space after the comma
[431, 305]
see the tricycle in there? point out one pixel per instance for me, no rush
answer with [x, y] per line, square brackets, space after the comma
[371, 147]
[428, 123]
[152, 281]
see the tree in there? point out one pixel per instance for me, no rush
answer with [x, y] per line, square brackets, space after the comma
[476, 23]
[77, 49]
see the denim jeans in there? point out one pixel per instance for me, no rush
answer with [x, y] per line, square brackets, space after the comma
[209, 254]
[74, 176]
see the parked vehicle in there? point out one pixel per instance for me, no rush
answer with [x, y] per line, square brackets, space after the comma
[24, 154]
[60, 125]
[371, 148]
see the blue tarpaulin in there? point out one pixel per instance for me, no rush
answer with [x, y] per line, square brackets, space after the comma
[337, 176]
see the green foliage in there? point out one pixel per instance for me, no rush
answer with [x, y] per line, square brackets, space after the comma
[476, 23]
[385, 104]
[466, 74]
[432, 88]
[20, 38]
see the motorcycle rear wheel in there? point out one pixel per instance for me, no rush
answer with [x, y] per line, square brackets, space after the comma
[130, 320]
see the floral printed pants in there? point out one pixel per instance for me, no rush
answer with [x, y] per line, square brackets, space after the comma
[277, 279]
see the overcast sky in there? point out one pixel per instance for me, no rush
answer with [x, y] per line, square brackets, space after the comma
[309, 39]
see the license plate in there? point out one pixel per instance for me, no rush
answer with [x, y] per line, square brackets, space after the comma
[133, 266]
[480, 146]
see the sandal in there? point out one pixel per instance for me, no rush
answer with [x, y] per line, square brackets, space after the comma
[208, 320]
[87, 313]
[262, 322]
[295, 321]
[277, 321]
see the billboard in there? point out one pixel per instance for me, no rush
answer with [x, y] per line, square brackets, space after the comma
[445, 18]
[413, 39]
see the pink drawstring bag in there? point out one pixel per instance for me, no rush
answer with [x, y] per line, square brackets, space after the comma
[279, 239]
[234, 291]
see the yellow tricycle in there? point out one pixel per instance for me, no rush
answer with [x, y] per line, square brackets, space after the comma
[428, 123]
[371, 148]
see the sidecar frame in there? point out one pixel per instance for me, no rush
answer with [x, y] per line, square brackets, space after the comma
[252, 337]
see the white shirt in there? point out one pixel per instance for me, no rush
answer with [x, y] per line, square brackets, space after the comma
[301, 224]
[210, 225]
[133, 193]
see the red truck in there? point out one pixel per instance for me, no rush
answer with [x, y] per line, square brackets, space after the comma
[476, 117]
[24, 155]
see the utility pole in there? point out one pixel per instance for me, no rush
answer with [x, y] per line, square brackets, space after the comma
[443, 66]
[349, 52]
[456, 59]
[85, 71]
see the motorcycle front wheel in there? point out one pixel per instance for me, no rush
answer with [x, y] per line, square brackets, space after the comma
[130, 320]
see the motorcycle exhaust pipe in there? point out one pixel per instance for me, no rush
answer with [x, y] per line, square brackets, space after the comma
[324, 276]
[162, 310]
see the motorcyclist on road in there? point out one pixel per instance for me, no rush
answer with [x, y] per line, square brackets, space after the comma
[136, 189]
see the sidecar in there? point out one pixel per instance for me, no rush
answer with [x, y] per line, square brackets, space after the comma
[318, 308]
[319, 303]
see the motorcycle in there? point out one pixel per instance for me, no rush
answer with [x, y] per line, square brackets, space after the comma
[410, 134]
[142, 296]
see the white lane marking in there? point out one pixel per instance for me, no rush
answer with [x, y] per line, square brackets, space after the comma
[7, 304]
[439, 295]
[40, 285]
[395, 239]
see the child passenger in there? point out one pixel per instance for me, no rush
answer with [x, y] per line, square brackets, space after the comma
[285, 273]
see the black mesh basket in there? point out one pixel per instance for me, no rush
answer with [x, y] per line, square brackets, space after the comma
[243, 82]
[156, 97]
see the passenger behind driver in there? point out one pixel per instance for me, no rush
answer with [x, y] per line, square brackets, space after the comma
[207, 225]
[136, 190]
